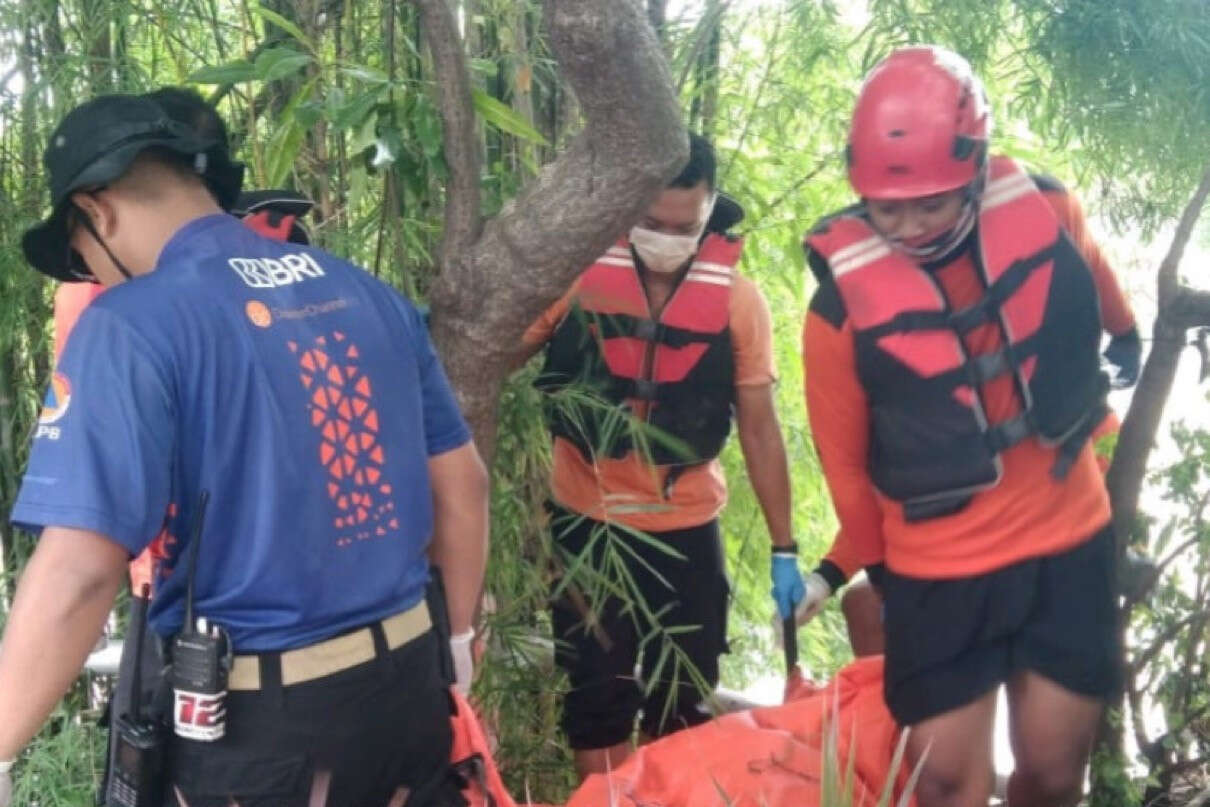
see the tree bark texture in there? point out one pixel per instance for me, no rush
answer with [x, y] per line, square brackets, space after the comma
[657, 14]
[496, 277]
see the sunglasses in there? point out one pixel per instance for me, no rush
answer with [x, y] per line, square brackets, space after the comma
[73, 260]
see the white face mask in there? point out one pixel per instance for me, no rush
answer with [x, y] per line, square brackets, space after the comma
[664, 253]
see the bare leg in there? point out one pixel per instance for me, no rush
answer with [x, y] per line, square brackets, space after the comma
[862, 609]
[320, 783]
[957, 770]
[1052, 730]
[600, 760]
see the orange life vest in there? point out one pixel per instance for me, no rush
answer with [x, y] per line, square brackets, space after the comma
[677, 371]
[932, 446]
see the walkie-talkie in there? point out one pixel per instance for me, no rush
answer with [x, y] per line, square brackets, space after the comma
[201, 659]
[137, 776]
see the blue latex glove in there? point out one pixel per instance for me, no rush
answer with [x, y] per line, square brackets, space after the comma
[1125, 353]
[788, 588]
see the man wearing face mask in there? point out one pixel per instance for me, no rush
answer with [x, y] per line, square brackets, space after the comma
[672, 343]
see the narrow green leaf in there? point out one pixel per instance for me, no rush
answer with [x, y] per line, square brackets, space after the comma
[505, 119]
[278, 63]
[287, 139]
[364, 135]
[281, 22]
[355, 110]
[364, 73]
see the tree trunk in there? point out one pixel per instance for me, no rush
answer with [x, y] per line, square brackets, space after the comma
[1180, 308]
[657, 14]
[521, 84]
[96, 28]
[1126, 474]
[496, 279]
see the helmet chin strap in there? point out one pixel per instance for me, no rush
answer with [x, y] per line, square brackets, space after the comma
[945, 243]
[92, 230]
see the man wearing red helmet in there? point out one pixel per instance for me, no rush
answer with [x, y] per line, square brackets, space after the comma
[953, 383]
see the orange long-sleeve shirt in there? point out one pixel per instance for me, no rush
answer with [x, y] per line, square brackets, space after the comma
[1027, 515]
[628, 490]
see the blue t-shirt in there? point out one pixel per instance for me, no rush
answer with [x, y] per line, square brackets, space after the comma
[298, 390]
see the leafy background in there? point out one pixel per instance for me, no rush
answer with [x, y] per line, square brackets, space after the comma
[337, 99]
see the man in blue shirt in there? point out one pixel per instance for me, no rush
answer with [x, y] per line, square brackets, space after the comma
[304, 396]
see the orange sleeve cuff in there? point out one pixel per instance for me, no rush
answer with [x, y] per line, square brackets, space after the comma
[839, 418]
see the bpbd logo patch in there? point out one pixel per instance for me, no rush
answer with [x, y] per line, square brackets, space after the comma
[58, 399]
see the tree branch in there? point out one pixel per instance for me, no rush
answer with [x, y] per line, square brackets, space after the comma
[1191, 307]
[1168, 279]
[1161, 640]
[1149, 586]
[633, 141]
[462, 212]
[1128, 470]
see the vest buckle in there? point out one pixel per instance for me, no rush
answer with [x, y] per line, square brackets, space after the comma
[646, 330]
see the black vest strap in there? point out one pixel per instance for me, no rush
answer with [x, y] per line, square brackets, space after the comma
[975, 315]
[614, 326]
[1005, 435]
[978, 370]
[1071, 447]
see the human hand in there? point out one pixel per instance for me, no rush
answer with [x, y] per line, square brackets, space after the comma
[464, 663]
[788, 588]
[817, 593]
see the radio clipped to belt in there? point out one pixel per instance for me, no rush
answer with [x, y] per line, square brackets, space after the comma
[136, 778]
[201, 661]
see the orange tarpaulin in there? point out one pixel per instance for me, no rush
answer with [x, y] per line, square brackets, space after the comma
[769, 757]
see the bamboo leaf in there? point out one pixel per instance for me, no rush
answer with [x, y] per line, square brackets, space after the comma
[505, 119]
[281, 22]
[278, 63]
[287, 139]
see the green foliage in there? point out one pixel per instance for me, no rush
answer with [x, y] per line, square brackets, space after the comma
[787, 77]
[1117, 91]
[342, 106]
[61, 767]
[1114, 785]
[1168, 676]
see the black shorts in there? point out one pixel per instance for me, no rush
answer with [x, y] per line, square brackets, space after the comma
[951, 641]
[377, 726]
[688, 595]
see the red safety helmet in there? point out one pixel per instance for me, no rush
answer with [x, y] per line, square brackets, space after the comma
[920, 126]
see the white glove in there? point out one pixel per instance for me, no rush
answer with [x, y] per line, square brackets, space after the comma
[813, 601]
[817, 593]
[464, 663]
[6, 783]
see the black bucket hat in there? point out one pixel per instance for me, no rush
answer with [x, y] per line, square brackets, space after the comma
[727, 213]
[95, 145]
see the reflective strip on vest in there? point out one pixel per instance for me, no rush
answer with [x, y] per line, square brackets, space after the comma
[878, 283]
[930, 435]
[700, 303]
